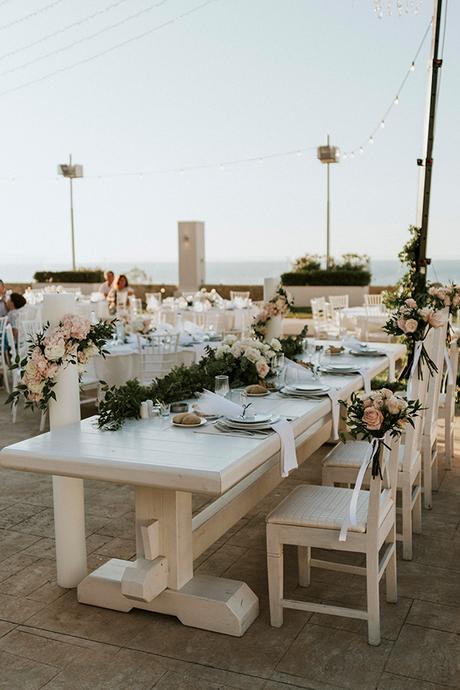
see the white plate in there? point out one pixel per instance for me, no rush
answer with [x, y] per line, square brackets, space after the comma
[250, 419]
[255, 427]
[258, 395]
[367, 353]
[310, 388]
[293, 393]
[190, 426]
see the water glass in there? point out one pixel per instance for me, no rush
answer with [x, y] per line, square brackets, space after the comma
[165, 409]
[278, 364]
[221, 385]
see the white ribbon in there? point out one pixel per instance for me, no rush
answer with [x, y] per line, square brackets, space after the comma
[351, 518]
[450, 373]
[413, 371]
[391, 366]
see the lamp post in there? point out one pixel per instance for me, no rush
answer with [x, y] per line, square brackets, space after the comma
[328, 154]
[71, 172]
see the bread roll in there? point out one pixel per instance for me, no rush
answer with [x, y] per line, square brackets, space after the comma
[256, 389]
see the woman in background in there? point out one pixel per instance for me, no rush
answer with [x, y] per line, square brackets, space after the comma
[119, 293]
[15, 304]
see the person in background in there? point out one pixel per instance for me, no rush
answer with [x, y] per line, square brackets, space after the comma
[3, 299]
[15, 304]
[108, 284]
[119, 293]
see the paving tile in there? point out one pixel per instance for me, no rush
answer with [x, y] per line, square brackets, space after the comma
[14, 564]
[429, 615]
[200, 674]
[256, 653]
[284, 681]
[219, 562]
[335, 657]
[17, 673]
[17, 514]
[441, 551]
[6, 627]
[119, 527]
[42, 524]
[175, 681]
[30, 578]
[12, 542]
[427, 654]
[111, 669]
[18, 609]
[117, 548]
[428, 583]
[392, 682]
[37, 648]
[67, 616]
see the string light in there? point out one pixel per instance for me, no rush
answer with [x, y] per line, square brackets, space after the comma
[412, 67]
[396, 100]
[371, 140]
[30, 15]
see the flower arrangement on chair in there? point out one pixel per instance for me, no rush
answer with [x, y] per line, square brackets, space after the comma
[72, 342]
[412, 322]
[371, 417]
[278, 305]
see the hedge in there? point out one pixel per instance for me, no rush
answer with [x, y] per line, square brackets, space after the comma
[324, 277]
[83, 276]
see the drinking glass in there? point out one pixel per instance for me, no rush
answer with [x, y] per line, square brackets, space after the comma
[317, 359]
[278, 364]
[221, 385]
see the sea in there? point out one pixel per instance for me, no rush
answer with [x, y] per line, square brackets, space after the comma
[384, 271]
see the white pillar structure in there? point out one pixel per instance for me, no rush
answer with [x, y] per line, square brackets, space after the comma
[68, 493]
[270, 287]
[192, 273]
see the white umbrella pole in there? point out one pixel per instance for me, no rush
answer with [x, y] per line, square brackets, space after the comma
[68, 493]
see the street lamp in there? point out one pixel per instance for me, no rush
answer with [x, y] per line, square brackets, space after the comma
[71, 172]
[328, 154]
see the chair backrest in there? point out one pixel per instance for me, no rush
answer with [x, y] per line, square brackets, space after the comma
[319, 309]
[27, 328]
[159, 356]
[450, 388]
[3, 325]
[387, 483]
[338, 301]
[373, 300]
[435, 346]
[239, 294]
[9, 339]
[135, 305]
[153, 300]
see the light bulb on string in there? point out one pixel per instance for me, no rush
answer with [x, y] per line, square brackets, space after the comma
[396, 100]
[412, 67]
[221, 167]
[371, 140]
[352, 154]
[361, 150]
[382, 124]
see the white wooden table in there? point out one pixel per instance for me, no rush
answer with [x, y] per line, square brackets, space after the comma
[167, 465]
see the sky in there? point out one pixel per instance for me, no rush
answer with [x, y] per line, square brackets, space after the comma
[234, 79]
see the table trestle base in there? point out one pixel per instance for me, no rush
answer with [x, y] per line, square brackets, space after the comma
[210, 603]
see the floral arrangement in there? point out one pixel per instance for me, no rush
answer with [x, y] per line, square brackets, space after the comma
[413, 322]
[278, 305]
[245, 362]
[445, 296]
[72, 342]
[139, 324]
[372, 416]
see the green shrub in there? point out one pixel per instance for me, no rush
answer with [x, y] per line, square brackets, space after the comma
[83, 275]
[334, 276]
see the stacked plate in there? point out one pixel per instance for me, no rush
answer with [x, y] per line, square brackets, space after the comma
[257, 422]
[305, 390]
[339, 369]
[367, 352]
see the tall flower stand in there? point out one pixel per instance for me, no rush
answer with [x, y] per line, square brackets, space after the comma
[68, 493]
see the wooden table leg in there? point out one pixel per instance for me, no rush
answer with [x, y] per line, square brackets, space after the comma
[161, 579]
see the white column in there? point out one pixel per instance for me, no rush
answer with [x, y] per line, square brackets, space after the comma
[68, 493]
[270, 287]
[192, 273]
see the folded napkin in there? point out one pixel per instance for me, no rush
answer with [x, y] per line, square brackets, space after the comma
[366, 379]
[353, 343]
[335, 411]
[288, 453]
[303, 375]
[211, 403]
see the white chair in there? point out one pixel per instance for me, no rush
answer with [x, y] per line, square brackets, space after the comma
[322, 323]
[373, 300]
[27, 328]
[153, 301]
[447, 399]
[435, 347]
[243, 295]
[3, 352]
[338, 302]
[312, 516]
[159, 356]
[15, 374]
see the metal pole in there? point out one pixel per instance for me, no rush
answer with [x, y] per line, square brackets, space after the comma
[328, 214]
[423, 209]
[72, 224]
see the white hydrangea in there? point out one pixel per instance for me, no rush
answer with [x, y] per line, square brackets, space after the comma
[222, 350]
[252, 354]
[275, 344]
[229, 340]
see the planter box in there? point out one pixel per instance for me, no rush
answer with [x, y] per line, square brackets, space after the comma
[302, 294]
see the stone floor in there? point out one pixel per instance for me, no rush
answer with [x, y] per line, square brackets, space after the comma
[48, 640]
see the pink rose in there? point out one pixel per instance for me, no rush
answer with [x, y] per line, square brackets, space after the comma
[411, 325]
[411, 303]
[435, 319]
[372, 418]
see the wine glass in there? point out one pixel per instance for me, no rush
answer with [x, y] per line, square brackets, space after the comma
[221, 385]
